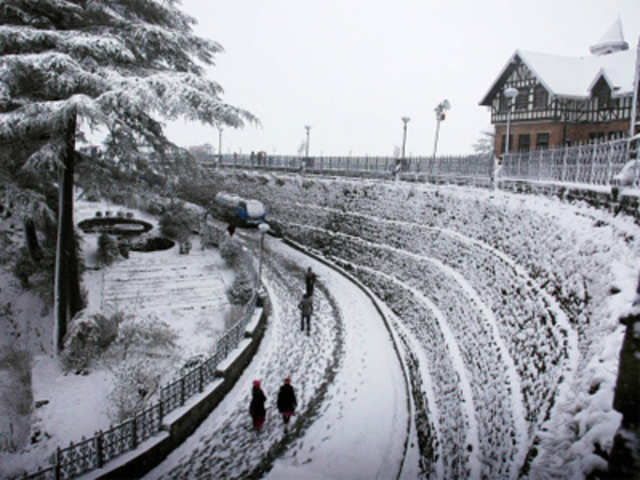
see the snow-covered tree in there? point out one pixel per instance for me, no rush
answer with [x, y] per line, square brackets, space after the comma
[485, 143]
[120, 65]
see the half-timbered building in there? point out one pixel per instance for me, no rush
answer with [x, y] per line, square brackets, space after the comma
[564, 100]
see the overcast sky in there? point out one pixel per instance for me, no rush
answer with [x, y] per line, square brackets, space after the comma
[352, 68]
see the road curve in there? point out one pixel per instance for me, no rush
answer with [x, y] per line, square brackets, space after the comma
[362, 430]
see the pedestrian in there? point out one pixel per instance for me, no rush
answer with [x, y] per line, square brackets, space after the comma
[256, 407]
[286, 401]
[306, 309]
[310, 280]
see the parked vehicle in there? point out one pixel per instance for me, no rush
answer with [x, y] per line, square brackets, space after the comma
[239, 211]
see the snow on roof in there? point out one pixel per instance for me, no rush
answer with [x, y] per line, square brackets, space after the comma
[574, 77]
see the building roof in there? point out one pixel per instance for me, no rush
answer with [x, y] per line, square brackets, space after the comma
[574, 77]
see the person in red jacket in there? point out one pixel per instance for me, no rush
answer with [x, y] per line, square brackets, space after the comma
[286, 401]
[256, 407]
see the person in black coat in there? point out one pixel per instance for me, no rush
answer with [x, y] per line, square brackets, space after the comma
[286, 401]
[256, 407]
[310, 280]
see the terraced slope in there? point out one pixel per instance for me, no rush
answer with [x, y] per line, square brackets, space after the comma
[507, 306]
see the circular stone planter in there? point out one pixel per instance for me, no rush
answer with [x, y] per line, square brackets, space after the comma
[115, 226]
[152, 244]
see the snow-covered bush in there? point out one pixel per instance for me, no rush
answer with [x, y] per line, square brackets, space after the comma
[147, 335]
[107, 250]
[88, 337]
[241, 289]
[177, 222]
[135, 382]
[230, 251]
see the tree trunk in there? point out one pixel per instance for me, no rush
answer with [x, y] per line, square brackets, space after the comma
[67, 284]
[31, 239]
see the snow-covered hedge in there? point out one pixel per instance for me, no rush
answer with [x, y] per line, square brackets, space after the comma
[522, 289]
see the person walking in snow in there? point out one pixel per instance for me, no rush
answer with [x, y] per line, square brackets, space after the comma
[286, 401]
[310, 280]
[256, 407]
[306, 309]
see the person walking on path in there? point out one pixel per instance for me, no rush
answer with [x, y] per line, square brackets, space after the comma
[310, 280]
[306, 309]
[286, 401]
[256, 407]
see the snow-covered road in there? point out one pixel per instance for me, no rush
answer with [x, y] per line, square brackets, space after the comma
[362, 430]
[353, 418]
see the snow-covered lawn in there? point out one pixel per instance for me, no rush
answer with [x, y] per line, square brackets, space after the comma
[187, 292]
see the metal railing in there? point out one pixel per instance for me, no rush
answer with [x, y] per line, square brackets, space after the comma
[93, 453]
[477, 165]
[590, 163]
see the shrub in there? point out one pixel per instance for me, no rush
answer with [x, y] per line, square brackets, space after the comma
[107, 250]
[24, 267]
[88, 337]
[135, 382]
[146, 335]
[176, 222]
[230, 251]
[241, 290]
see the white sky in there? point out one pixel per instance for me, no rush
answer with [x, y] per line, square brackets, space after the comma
[352, 68]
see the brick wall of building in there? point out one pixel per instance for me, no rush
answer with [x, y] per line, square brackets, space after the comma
[574, 132]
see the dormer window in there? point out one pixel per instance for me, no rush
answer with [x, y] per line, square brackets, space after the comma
[522, 100]
[540, 97]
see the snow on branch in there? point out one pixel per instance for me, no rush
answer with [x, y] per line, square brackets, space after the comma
[101, 47]
[48, 75]
[47, 157]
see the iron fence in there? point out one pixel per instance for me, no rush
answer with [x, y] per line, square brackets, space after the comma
[92, 453]
[591, 163]
[596, 163]
[465, 165]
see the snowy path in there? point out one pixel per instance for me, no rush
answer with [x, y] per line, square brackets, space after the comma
[362, 430]
[343, 399]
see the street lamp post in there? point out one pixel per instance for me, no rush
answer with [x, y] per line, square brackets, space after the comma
[264, 228]
[306, 146]
[398, 166]
[405, 120]
[440, 115]
[510, 93]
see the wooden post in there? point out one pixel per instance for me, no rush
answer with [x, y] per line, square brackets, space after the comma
[563, 173]
[181, 391]
[134, 431]
[200, 378]
[160, 411]
[58, 473]
[99, 453]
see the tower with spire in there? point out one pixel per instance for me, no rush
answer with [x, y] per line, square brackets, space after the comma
[612, 41]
